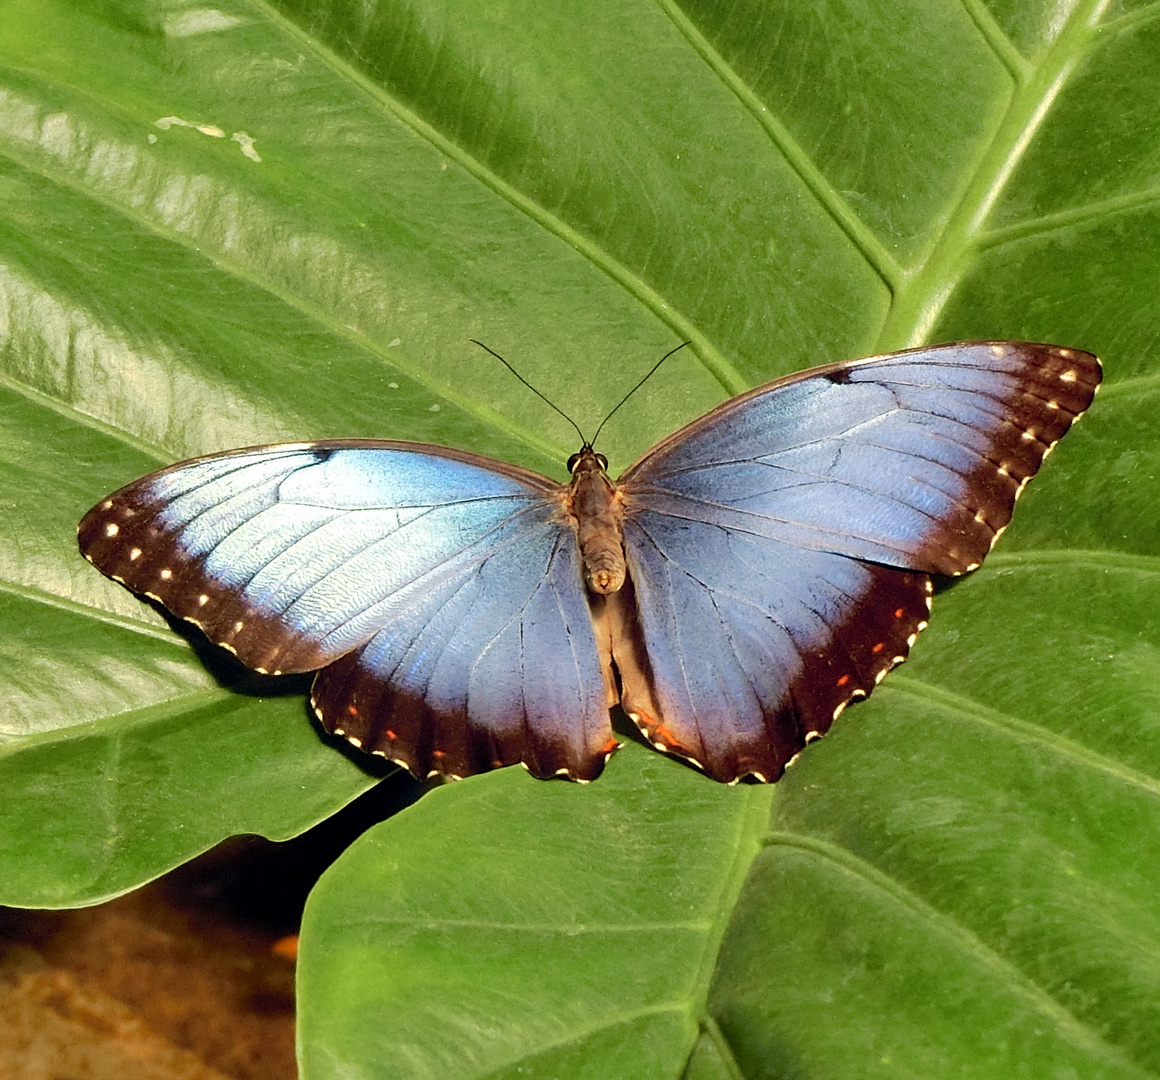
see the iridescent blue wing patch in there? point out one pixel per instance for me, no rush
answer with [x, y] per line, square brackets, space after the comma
[779, 546]
[437, 579]
[753, 647]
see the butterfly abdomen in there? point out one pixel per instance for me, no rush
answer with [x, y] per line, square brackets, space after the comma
[595, 504]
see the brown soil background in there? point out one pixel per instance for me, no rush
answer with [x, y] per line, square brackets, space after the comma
[183, 979]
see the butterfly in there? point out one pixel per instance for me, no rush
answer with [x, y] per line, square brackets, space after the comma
[734, 590]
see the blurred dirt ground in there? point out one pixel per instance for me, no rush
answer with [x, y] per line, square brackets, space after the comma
[188, 978]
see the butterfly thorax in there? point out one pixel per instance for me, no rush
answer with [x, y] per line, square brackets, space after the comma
[595, 505]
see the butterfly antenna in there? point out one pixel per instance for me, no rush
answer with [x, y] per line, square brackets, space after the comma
[532, 388]
[652, 370]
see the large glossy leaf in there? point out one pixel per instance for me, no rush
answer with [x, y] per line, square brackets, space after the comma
[232, 224]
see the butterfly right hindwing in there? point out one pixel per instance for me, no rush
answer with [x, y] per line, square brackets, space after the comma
[752, 646]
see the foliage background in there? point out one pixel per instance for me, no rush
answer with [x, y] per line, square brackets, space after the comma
[282, 220]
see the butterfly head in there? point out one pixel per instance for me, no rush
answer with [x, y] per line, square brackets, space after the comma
[587, 460]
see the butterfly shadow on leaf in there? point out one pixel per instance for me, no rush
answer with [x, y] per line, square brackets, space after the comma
[232, 675]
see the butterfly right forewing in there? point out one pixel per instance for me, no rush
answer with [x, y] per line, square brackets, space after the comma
[912, 460]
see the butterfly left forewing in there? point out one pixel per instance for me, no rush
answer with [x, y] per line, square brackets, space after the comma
[282, 554]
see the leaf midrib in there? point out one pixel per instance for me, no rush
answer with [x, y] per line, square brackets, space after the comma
[872, 250]
[112, 726]
[921, 299]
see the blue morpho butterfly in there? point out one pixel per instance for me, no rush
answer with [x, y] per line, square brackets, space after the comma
[734, 590]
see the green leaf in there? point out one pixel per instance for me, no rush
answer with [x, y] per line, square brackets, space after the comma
[227, 225]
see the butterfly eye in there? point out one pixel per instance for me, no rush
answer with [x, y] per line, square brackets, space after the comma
[573, 461]
[603, 461]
